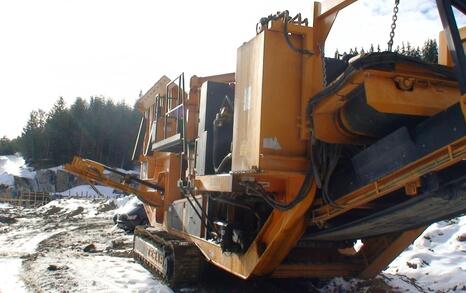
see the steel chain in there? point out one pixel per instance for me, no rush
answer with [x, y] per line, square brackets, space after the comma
[324, 67]
[393, 26]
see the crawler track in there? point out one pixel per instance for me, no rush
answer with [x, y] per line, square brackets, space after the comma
[175, 261]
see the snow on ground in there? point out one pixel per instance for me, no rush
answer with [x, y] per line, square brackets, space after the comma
[44, 249]
[75, 207]
[13, 165]
[436, 260]
[56, 233]
[86, 208]
[126, 274]
[5, 206]
[11, 279]
[6, 179]
[56, 168]
[16, 241]
[87, 191]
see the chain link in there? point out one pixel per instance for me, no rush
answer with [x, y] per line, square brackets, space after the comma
[324, 67]
[393, 26]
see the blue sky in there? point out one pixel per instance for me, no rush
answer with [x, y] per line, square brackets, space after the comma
[116, 48]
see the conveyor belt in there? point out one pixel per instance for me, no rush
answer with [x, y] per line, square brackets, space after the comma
[444, 197]
[383, 60]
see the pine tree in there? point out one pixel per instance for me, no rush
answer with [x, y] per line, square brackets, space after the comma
[32, 138]
[7, 146]
[417, 53]
[430, 51]
[78, 135]
[57, 130]
[409, 50]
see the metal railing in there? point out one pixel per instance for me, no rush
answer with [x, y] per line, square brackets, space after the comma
[28, 199]
[171, 111]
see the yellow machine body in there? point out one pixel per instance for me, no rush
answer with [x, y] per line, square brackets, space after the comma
[273, 128]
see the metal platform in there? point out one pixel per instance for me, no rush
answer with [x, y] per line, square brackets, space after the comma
[172, 144]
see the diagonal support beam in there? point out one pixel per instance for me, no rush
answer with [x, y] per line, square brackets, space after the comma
[455, 46]
[391, 251]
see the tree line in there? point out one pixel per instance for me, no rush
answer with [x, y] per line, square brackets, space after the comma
[100, 130]
[428, 52]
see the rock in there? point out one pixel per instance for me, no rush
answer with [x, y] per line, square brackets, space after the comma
[90, 248]
[107, 206]
[119, 243]
[416, 263]
[46, 180]
[121, 253]
[375, 285]
[7, 220]
[54, 267]
[461, 237]
[62, 181]
[52, 211]
[24, 184]
[76, 212]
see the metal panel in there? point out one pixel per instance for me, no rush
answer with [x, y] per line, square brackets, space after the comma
[201, 153]
[248, 95]
[175, 215]
[182, 217]
[267, 101]
[192, 223]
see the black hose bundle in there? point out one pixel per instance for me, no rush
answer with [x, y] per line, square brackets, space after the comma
[285, 16]
[256, 189]
[232, 202]
[325, 158]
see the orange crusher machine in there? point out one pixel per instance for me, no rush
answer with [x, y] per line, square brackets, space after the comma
[279, 168]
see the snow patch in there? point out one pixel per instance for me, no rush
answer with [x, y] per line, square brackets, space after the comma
[7, 179]
[437, 259]
[73, 208]
[87, 191]
[435, 262]
[11, 281]
[16, 166]
[5, 206]
[56, 168]
[109, 274]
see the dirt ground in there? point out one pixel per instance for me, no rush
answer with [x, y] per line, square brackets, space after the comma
[73, 246]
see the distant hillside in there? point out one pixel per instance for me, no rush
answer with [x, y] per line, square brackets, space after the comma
[100, 130]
